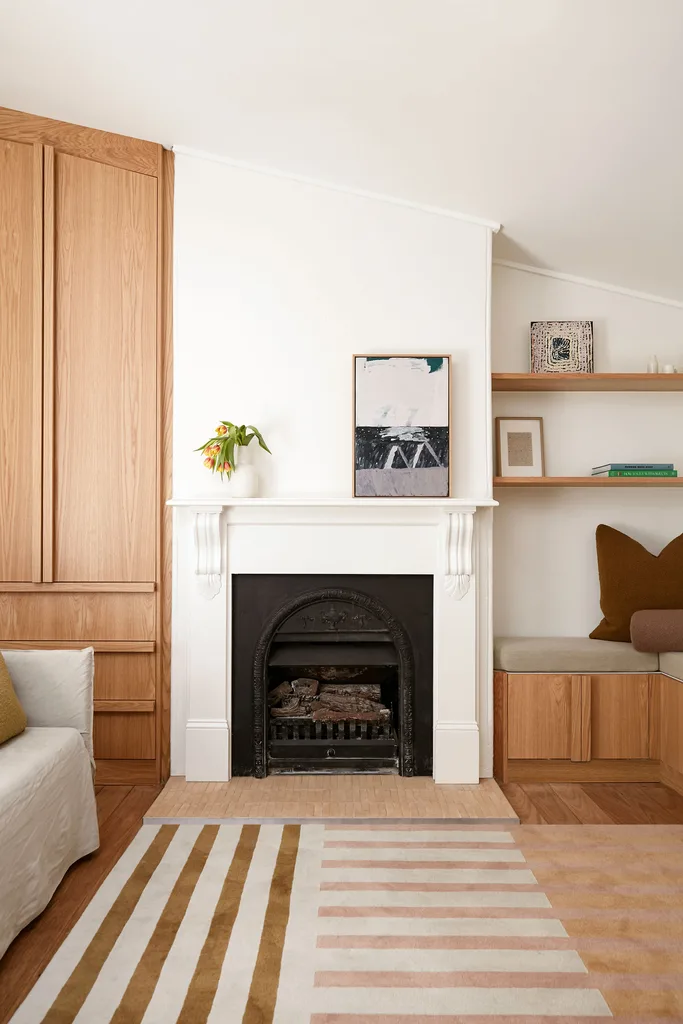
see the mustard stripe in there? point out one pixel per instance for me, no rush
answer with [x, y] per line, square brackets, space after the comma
[141, 986]
[202, 989]
[76, 990]
[265, 980]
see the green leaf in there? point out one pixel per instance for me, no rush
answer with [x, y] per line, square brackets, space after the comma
[260, 439]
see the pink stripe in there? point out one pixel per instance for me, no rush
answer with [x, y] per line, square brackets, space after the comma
[357, 845]
[512, 912]
[452, 979]
[429, 865]
[442, 942]
[429, 887]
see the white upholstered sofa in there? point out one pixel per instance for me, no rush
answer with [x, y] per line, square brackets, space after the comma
[48, 815]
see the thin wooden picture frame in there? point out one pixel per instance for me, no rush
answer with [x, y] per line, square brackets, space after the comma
[449, 447]
[524, 419]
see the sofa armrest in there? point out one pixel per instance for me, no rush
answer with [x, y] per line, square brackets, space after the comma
[55, 688]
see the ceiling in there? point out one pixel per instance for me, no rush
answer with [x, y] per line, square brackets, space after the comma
[562, 119]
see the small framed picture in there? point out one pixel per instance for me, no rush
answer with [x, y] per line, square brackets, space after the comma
[401, 426]
[519, 446]
[562, 346]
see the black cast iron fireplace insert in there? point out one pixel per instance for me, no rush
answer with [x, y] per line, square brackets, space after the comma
[332, 674]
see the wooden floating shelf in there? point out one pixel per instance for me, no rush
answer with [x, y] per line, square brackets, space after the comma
[587, 381]
[587, 481]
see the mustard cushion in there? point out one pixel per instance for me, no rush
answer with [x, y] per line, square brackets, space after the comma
[12, 716]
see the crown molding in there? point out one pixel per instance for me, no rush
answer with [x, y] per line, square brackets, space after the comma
[588, 282]
[271, 172]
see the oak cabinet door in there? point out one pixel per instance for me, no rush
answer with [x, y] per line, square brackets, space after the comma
[21, 205]
[103, 248]
[620, 716]
[539, 716]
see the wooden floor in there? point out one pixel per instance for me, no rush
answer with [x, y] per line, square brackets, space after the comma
[297, 797]
[628, 803]
[120, 810]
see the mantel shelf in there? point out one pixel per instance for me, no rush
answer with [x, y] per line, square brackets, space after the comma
[587, 481]
[225, 501]
[587, 381]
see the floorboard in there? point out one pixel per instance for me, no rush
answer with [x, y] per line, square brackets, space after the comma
[592, 803]
[120, 815]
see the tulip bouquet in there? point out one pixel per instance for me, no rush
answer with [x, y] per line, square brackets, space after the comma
[220, 450]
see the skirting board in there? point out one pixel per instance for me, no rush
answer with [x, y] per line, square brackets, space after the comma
[585, 771]
[207, 750]
[456, 753]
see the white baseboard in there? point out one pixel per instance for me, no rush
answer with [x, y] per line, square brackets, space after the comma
[456, 753]
[207, 750]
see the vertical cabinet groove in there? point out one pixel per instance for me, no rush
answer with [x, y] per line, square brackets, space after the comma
[48, 411]
[37, 403]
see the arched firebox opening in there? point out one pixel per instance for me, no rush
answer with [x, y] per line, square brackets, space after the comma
[333, 687]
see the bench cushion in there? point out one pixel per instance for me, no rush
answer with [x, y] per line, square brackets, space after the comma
[671, 663]
[571, 655]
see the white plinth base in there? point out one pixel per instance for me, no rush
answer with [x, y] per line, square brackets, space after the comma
[207, 751]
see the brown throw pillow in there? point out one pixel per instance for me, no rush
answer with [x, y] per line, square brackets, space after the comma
[12, 717]
[631, 579]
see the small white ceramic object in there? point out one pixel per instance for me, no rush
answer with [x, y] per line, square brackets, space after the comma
[668, 368]
[244, 482]
[653, 365]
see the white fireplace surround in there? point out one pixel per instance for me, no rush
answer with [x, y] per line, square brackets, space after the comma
[444, 537]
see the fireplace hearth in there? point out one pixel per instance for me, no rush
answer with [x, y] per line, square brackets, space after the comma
[332, 674]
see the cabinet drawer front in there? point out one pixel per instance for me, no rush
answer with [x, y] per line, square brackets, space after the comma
[124, 735]
[539, 716]
[124, 676]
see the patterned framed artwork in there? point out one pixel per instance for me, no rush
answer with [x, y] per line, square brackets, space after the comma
[519, 446]
[562, 346]
[401, 426]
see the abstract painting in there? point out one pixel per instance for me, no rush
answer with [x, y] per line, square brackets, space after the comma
[562, 346]
[401, 426]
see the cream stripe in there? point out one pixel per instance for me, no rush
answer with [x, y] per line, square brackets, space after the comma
[415, 898]
[69, 954]
[440, 926]
[107, 991]
[423, 854]
[471, 875]
[505, 1002]
[416, 835]
[298, 957]
[140, 988]
[553, 960]
[176, 975]
[240, 958]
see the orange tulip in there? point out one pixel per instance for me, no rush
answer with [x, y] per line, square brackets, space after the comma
[214, 449]
[221, 430]
[209, 463]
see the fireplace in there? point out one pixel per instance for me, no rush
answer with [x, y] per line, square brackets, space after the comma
[332, 674]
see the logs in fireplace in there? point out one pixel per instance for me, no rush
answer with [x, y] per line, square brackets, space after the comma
[333, 680]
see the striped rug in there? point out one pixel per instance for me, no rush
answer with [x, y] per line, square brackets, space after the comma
[318, 924]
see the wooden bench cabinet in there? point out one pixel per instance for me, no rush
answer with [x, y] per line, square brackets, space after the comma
[553, 727]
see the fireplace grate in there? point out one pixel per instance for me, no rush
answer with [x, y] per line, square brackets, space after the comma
[302, 729]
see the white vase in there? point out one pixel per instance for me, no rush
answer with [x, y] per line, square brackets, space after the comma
[244, 480]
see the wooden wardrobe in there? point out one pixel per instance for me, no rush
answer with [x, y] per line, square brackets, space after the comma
[85, 396]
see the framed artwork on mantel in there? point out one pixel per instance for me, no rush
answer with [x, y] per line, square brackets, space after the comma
[401, 426]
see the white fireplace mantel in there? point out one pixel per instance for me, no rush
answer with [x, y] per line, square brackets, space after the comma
[215, 538]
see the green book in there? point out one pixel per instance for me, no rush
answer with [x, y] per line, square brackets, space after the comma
[639, 472]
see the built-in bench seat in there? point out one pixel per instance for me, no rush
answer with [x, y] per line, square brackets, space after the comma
[573, 709]
[671, 664]
[572, 654]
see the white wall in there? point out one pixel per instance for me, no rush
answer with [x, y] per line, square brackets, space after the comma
[278, 283]
[545, 570]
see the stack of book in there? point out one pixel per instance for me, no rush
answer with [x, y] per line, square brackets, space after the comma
[635, 469]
